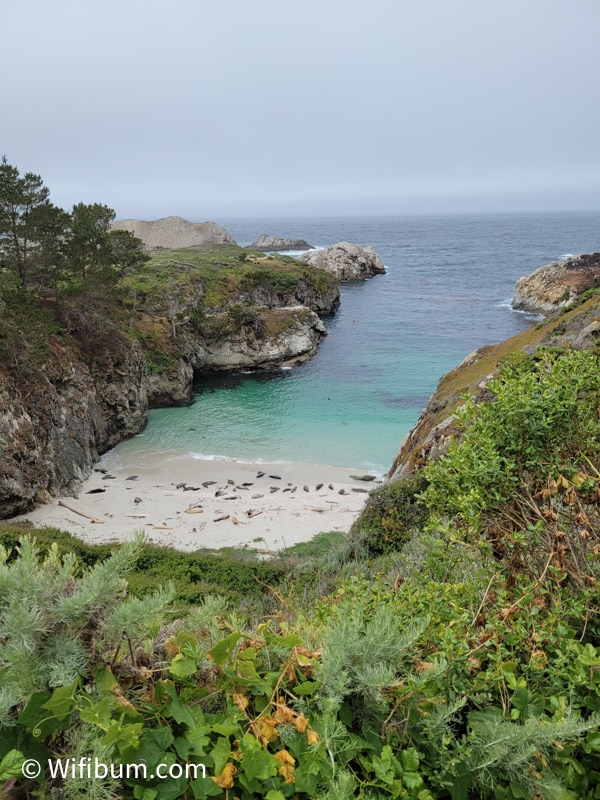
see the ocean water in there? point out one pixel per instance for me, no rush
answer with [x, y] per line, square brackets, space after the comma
[447, 291]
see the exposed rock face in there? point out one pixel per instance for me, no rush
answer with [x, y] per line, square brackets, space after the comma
[322, 302]
[174, 232]
[348, 262]
[292, 337]
[56, 423]
[557, 284]
[269, 244]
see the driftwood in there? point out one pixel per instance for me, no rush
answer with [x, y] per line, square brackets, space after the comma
[81, 514]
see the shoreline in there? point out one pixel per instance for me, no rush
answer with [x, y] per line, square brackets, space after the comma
[192, 503]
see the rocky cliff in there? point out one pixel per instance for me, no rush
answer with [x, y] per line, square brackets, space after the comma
[83, 377]
[576, 328]
[174, 232]
[555, 285]
[59, 418]
[347, 262]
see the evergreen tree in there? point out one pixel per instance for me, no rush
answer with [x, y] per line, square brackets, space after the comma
[89, 243]
[19, 197]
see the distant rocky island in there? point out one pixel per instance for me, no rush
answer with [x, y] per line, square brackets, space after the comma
[347, 262]
[271, 244]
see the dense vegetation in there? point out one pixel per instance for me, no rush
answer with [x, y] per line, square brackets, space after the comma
[449, 648]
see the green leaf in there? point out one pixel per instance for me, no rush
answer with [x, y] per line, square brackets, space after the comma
[178, 710]
[222, 651]
[306, 688]
[220, 754]
[257, 764]
[412, 780]
[11, 765]
[104, 679]
[144, 792]
[98, 714]
[183, 666]
[62, 702]
[410, 759]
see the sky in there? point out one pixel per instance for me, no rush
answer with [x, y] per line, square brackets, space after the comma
[212, 109]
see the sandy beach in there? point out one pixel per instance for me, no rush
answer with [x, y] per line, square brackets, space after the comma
[189, 503]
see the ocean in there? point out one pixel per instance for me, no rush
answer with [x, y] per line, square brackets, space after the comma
[447, 291]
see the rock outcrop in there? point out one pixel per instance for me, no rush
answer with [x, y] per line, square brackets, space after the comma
[174, 232]
[348, 262]
[557, 284]
[270, 244]
[285, 337]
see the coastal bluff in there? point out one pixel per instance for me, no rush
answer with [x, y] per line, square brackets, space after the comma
[575, 327]
[174, 232]
[555, 285]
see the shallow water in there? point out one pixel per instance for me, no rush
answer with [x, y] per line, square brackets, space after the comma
[447, 291]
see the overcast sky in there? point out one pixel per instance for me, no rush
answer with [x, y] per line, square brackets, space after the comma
[220, 108]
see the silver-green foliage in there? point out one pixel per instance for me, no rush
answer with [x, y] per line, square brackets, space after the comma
[53, 626]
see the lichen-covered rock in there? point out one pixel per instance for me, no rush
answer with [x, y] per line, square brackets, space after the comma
[271, 244]
[557, 284]
[174, 232]
[348, 262]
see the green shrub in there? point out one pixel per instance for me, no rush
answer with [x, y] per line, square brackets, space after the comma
[392, 513]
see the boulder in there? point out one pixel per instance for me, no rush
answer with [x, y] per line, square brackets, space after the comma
[174, 232]
[269, 244]
[348, 262]
[557, 284]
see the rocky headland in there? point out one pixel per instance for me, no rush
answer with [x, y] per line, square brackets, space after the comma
[174, 232]
[271, 244]
[574, 327]
[347, 262]
[557, 284]
[84, 376]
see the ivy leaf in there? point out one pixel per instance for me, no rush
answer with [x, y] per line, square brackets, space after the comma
[183, 666]
[306, 688]
[98, 714]
[257, 764]
[62, 702]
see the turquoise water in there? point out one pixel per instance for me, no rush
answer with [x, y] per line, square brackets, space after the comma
[447, 291]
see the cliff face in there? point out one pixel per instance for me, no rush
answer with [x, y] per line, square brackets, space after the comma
[578, 328]
[58, 419]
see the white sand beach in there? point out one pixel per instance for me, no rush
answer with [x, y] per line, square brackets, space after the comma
[189, 503]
